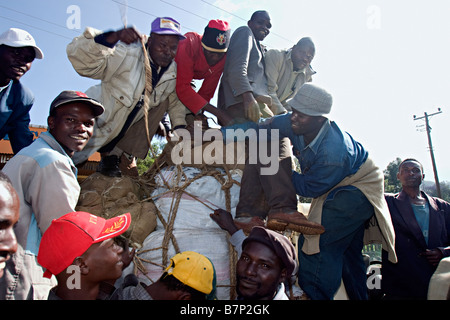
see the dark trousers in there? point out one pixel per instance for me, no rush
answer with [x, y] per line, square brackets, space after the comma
[263, 194]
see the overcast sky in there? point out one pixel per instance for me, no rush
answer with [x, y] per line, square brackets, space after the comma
[383, 61]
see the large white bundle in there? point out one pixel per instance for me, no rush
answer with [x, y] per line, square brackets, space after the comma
[205, 188]
[200, 196]
[192, 228]
[213, 243]
[190, 213]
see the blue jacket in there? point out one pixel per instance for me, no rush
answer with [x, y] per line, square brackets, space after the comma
[15, 104]
[326, 161]
[411, 275]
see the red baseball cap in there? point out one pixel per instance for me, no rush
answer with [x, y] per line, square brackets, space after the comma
[69, 236]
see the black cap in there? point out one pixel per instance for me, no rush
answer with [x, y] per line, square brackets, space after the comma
[280, 244]
[68, 96]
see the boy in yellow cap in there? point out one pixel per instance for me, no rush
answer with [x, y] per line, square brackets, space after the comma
[190, 276]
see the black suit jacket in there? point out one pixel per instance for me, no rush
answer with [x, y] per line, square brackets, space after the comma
[409, 278]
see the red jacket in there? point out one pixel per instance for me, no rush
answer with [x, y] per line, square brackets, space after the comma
[191, 64]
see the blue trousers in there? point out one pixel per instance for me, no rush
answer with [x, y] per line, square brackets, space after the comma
[344, 216]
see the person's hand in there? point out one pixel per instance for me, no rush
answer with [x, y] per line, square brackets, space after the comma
[224, 220]
[265, 111]
[251, 107]
[223, 118]
[434, 256]
[252, 111]
[126, 35]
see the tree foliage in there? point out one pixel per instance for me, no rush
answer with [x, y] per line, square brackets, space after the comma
[391, 183]
[157, 147]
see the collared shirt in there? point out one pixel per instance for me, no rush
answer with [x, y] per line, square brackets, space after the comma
[326, 161]
[3, 88]
[45, 179]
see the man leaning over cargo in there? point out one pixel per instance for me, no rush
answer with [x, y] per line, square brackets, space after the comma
[203, 57]
[117, 59]
[347, 191]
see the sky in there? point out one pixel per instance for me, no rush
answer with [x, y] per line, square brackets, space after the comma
[383, 61]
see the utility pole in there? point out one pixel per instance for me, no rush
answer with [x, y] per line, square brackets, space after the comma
[430, 146]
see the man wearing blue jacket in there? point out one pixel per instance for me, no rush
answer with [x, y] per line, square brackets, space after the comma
[347, 191]
[17, 52]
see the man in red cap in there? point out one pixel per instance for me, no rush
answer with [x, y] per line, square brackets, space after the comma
[79, 249]
[202, 58]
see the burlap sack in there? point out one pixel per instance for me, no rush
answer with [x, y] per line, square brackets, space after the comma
[108, 197]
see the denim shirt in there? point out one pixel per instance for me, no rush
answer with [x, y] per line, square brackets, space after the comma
[326, 161]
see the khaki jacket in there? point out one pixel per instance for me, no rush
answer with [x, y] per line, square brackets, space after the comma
[122, 74]
[370, 180]
[282, 81]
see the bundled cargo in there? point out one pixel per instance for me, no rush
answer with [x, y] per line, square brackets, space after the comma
[185, 197]
[108, 197]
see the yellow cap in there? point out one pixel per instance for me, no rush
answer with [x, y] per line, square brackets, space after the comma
[194, 270]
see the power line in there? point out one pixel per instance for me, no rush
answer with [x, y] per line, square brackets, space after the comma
[185, 10]
[29, 25]
[34, 17]
[213, 5]
[217, 7]
[148, 13]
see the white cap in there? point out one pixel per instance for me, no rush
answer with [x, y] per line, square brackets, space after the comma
[14, 37]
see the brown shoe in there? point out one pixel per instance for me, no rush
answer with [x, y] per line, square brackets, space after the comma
[247, 223]
[294, 221]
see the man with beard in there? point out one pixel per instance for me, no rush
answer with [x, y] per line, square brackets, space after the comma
[17, 52]
[136, 95]
[45, 177]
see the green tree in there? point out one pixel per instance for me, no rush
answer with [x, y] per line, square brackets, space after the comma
[157, 147]
[391, 183]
